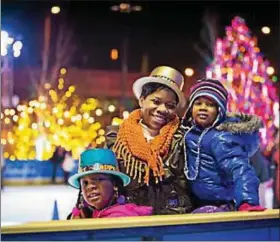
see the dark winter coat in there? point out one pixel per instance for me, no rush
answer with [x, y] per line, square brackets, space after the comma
[170, 196]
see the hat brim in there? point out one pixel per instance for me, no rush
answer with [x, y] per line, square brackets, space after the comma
[139, 83]
[74, 180]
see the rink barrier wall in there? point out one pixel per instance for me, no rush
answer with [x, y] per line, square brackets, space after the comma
[32, 172]
[231, 226]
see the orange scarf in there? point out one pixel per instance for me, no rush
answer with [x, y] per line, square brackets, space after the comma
[132, 147]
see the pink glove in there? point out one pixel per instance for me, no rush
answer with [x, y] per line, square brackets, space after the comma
[250, 208]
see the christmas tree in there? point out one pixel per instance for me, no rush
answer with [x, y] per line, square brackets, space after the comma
[246, 73]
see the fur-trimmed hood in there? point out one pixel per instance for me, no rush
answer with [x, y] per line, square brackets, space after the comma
[237, 123]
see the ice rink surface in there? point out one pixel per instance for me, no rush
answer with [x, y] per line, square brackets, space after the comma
[35, 203]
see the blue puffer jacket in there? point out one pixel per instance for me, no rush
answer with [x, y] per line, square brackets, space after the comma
[221, 161]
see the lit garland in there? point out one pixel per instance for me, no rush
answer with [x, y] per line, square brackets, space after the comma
[57, 118]
[241, 67]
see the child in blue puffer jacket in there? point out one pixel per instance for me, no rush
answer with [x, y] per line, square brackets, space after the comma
[217, 151]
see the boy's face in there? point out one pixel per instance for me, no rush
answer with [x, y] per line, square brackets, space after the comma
[97, 190]
[204, 111]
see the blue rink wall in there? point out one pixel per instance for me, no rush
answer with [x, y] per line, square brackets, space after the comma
[212, 227]
[28, 172]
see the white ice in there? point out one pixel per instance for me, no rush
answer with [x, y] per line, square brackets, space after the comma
[23, 204]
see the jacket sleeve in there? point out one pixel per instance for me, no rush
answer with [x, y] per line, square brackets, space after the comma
[232, 159]
[111, 136]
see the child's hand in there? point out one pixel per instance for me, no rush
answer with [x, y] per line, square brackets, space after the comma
[78, 213]
[250, 208]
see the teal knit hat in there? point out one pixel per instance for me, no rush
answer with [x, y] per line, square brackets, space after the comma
[97, 161]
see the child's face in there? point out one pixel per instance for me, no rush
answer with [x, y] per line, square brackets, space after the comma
[97, 190]
[204, 111]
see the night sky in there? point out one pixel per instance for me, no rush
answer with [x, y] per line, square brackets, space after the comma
[165, 30]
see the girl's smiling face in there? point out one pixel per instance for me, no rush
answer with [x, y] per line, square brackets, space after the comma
[158, 108]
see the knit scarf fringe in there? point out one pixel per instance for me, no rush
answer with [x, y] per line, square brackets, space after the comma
[139, 155]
